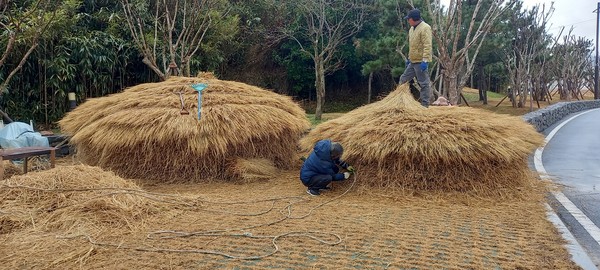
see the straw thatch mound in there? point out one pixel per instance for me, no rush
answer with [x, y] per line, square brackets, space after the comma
[397, 144]
[140, 132]
[70, 197]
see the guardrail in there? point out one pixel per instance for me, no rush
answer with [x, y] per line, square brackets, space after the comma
[546, 117]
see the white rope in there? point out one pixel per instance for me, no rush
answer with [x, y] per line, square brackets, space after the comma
[230, 232]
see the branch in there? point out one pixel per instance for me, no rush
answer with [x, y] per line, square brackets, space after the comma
[4, 86]
[9, 47]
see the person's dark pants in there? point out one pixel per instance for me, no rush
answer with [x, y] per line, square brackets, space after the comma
[318, 181]
[414, 70]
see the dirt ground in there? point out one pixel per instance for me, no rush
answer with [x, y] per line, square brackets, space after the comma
[274, 224]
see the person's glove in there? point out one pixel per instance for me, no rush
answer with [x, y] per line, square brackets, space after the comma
[407, 62]
[350, 169]
[347, 175]
[424, 65]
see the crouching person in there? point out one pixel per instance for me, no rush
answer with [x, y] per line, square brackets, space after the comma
[323, 166]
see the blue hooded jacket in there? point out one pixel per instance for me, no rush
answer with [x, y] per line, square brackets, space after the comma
[319, 162]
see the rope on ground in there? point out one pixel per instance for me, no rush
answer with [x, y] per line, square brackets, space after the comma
[310, 234]
[170, 234]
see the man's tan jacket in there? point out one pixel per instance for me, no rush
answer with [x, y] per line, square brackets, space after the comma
[419, 43]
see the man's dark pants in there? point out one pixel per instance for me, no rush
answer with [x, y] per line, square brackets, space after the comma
[319, 181]
[414, 70]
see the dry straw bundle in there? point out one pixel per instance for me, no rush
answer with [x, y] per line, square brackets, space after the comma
[398, 145]
[255, 169]
[70, 197]
[10, 169]
[140, 133]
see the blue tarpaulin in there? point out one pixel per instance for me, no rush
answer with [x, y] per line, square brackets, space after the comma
[18, 134]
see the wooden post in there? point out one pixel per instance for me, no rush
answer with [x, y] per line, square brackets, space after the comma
[463, 98]
[501, 101]
[25, 160]
[52, 157]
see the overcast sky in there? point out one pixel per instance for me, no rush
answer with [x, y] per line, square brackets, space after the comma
[576, 13]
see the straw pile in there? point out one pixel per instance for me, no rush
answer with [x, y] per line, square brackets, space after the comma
[255, 169]
[70, 197]
[10, 169]
[398, 145]
[377, 233]
[140, 132]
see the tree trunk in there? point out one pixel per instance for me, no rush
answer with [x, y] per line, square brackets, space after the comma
[320, 86]
[481, 82]
[370, 89]
[485, 99]
[452, 85]
[186, 69]
[154, 68]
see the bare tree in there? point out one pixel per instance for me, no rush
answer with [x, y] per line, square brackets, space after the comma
[457, 52]
[22, 24]
[329, 24]
[169, 33]
[572, 65]
[526, 55]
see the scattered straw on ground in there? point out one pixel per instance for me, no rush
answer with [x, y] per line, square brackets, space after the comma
[10, 169]
[400, 145]
[140, 132]
[226, 225]
[66, 197]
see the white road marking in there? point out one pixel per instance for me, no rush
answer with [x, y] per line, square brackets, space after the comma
[584, 220]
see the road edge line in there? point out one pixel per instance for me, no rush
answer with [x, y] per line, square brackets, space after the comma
[580, 257]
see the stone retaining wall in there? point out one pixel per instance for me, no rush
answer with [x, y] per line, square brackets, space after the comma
[543, 118]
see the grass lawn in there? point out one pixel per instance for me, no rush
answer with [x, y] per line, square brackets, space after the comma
[324, 117]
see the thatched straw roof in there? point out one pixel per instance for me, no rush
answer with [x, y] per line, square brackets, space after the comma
[140, 132]
[397, 144]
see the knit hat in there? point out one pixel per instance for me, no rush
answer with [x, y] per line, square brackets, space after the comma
[336, 150]
[414, 14]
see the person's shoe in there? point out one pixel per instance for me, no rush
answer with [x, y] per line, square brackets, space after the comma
[313, 192]
[325, 188]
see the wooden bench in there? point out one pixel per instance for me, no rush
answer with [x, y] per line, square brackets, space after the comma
[27, 152]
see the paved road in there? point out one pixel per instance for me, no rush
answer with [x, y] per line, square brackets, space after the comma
[572, 158]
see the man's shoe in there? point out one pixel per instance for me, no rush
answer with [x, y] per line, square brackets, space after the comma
[325, 188]
[313, 192]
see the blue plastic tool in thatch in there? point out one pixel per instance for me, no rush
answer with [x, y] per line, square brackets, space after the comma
[199, 87]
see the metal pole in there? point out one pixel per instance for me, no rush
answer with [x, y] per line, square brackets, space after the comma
[596, 94]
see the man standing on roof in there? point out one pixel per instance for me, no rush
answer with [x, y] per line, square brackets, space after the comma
[419, 54]
[323, 166]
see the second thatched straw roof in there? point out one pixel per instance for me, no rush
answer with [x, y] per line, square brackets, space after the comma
[397, 144]
[140, 133]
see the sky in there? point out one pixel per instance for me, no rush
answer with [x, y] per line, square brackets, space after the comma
[577, 13]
